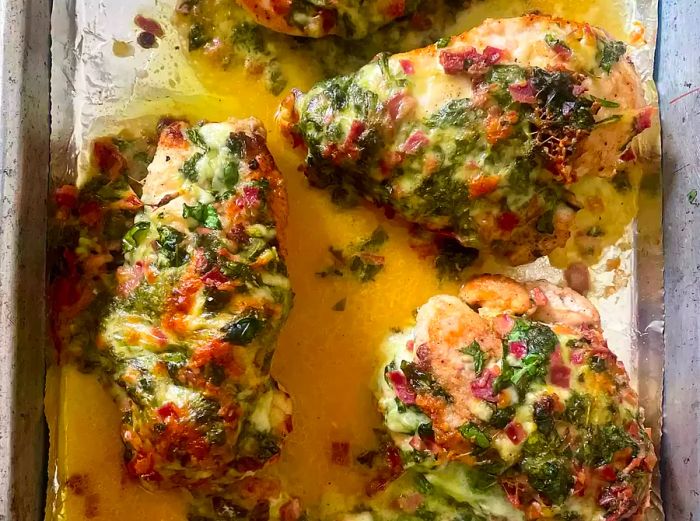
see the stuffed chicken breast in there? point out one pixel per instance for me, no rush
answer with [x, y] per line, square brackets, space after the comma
[478, 136]
[200, 299]
[345, 18]
[507, 401]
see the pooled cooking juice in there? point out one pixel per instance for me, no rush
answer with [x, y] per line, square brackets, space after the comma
[327, 355]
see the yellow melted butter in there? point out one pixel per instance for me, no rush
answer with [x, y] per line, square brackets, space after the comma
[326, 359]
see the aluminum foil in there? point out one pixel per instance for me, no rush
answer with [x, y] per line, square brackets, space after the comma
[94, 92]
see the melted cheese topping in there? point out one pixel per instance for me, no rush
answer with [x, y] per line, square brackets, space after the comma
[326, 369]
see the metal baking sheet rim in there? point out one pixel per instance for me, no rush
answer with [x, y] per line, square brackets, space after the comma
[24, 139]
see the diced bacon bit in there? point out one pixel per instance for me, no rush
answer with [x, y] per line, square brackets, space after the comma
[356, 129]
[66, 195]
[160, 336]
[633, 429]
[247, 464]
[393, 469]
[340, 453]
[483, 185]
[141, 466]
[328, 20]
[420, 22]
[507, 221]
[523, 92]
[399, 106]
[128, 278]
[417, 443]
[482, 387]
[108, 158]
[503, 324]
[559, 373]
[400, 384]
[515, 432]
[410, 503]
[291, 510]
[578, 89]
[517, 349]
[562, 51]
[149, 25]
[607, 472]
[578, 356]
[395, 9]
[581, 479]
[407, 66]
[250, 199]
[214, 278]
[470, 60]
[389, 161]
[513, 488]
[628, 155]
[168, 410]
[423, 352]
[90, 213]
[538, 297]
[643, 120]
[415, 142]
[618, 500]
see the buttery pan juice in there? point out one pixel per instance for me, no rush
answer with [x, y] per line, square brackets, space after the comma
[327, 356]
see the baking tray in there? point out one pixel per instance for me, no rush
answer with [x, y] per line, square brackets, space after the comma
[24, 140]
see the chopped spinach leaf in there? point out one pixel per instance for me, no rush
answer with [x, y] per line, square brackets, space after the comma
[474, 350]
[243, 330]
[204, 214]
[610, 54]
[134, 236]
[189, 168]
[471, 432]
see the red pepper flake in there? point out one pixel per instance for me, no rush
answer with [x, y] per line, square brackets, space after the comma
[515, 432]
[407, 66]
[149, 25]
[340, 453]
[400, 384]
[507, 221]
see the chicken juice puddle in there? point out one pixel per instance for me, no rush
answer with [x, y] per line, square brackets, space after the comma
[328, 351]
